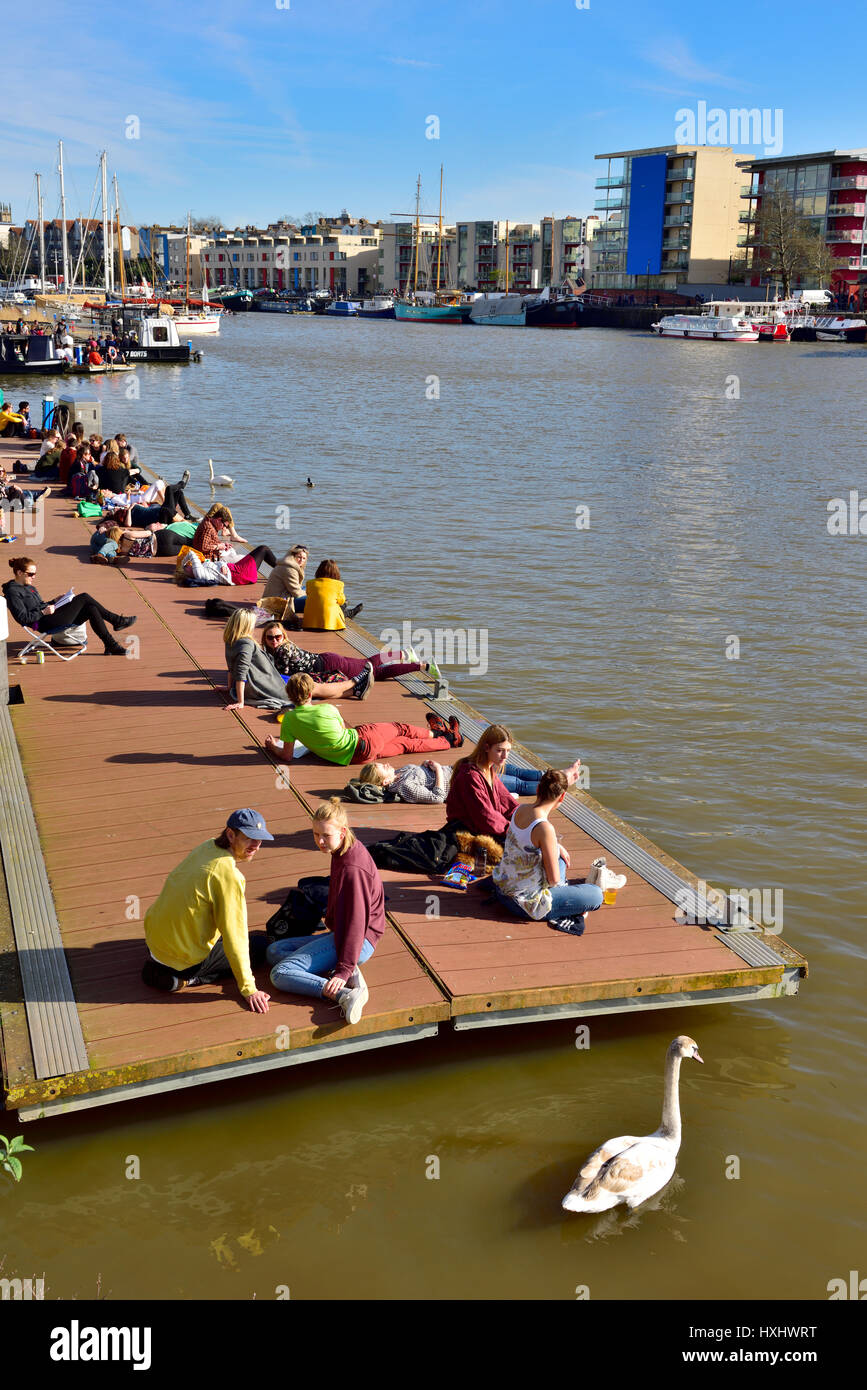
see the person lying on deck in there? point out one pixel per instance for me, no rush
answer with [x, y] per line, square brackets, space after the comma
[323, 730]
[530, 879]
[19, 498]
[478, 796]
[196, 931]
[429, 781]
[327, 965]
[291, 660]
[30, 610]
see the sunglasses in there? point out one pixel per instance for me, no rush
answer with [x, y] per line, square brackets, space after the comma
[30, 574]
[274, 637]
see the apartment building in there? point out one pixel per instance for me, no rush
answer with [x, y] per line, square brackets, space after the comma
[830, 190]
[397, 263]
[334, 258]
[670, 216]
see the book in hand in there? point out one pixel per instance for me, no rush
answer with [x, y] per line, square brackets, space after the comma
[64, 598]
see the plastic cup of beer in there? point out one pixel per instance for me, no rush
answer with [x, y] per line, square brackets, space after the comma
[609, 896]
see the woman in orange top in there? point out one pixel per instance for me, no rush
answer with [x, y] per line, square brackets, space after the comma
[323, 611]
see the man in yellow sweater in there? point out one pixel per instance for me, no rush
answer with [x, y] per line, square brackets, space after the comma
[196, 931]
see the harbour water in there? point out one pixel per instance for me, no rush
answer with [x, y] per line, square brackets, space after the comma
[695, 637]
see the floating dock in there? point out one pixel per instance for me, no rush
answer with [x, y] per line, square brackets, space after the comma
[113, 770]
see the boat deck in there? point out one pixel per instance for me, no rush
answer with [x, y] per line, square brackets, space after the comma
[114, 769]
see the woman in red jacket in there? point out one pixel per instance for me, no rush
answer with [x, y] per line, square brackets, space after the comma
[477, 797]
[326, 965]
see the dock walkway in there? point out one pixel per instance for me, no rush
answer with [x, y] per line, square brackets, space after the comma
[128, 764]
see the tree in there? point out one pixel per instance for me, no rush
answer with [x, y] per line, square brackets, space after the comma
[819, 261]
[786, 245]
[204, 224]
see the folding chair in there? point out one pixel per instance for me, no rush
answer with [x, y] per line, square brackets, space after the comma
[37, 641]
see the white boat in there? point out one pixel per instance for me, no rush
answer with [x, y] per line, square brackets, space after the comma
[728, 328]
[198, 321]
[836, 328]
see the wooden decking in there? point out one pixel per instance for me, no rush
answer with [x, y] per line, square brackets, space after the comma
[131, 763]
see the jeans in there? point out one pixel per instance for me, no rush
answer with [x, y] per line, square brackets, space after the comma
[567, 899]
[299, 603]
[302, 964]
[523, 781]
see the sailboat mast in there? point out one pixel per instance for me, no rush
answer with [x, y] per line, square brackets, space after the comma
[153, 260]
[119, 239]
[439, 242]
[41, 233]
[507, 257]
[63, 236]
[417, 200]
[553, 232]
[106, 256]
[187, 271]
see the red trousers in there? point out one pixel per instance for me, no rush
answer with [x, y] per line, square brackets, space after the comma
[377, 741]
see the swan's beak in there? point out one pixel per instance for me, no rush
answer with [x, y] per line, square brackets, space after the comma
[698, 1058]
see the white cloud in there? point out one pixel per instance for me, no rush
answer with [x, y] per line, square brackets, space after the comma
[673, 56]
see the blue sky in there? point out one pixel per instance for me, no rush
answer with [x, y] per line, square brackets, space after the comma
[253, 111]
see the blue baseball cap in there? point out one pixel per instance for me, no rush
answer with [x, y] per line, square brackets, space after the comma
[250, 823]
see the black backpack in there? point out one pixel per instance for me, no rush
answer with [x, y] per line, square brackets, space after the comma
[302, 910]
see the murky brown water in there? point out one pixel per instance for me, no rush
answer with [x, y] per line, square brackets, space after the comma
[707, 522]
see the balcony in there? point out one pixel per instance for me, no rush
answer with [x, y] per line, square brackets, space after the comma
[850, 181]
[846, 210]
[680, 262]
[678, 219]
[675, 244]
[680, 175]
[685, 197]
[855, 234]
[603, 204]
[747, 191]
[857, 263]
[746, 216]
[619, 182]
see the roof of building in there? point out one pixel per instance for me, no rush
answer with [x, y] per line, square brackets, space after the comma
[785, 160]
[665, 149]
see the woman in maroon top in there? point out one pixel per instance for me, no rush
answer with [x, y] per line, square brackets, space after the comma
[477, 797]
[326, 965]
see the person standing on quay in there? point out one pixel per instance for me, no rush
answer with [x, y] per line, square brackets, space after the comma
[196, 931]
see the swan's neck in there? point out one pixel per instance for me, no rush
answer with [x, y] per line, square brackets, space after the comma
[670, 1127]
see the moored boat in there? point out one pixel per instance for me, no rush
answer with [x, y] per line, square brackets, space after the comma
[381, 306]
[343, 309]
[442, 310]
[28, 353]
[725, 327]
[499, 310]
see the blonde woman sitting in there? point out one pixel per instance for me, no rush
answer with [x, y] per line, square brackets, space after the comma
[326, 966]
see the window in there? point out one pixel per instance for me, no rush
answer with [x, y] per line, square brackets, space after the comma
[234, 255]
[251, 256]
[296, 255]
[332, 255]
[314, 255]
[221, 257]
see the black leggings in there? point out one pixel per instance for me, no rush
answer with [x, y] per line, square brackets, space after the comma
[174, 501]
[169, 542]
[81, 609]
[262, 552]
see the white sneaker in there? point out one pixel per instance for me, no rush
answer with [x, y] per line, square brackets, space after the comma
[357, 981]
[351, 1003]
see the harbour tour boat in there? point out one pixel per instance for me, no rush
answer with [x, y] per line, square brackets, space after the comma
[730, 328]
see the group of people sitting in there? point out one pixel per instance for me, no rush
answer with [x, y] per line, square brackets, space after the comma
[16, 423]
[196, 931]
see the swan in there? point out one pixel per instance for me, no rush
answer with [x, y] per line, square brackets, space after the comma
[223, 480]
[631, 1169]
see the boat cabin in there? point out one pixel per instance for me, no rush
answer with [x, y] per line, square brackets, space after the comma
[29, 352]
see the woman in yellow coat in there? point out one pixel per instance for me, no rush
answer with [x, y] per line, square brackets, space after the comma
[323, 611]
